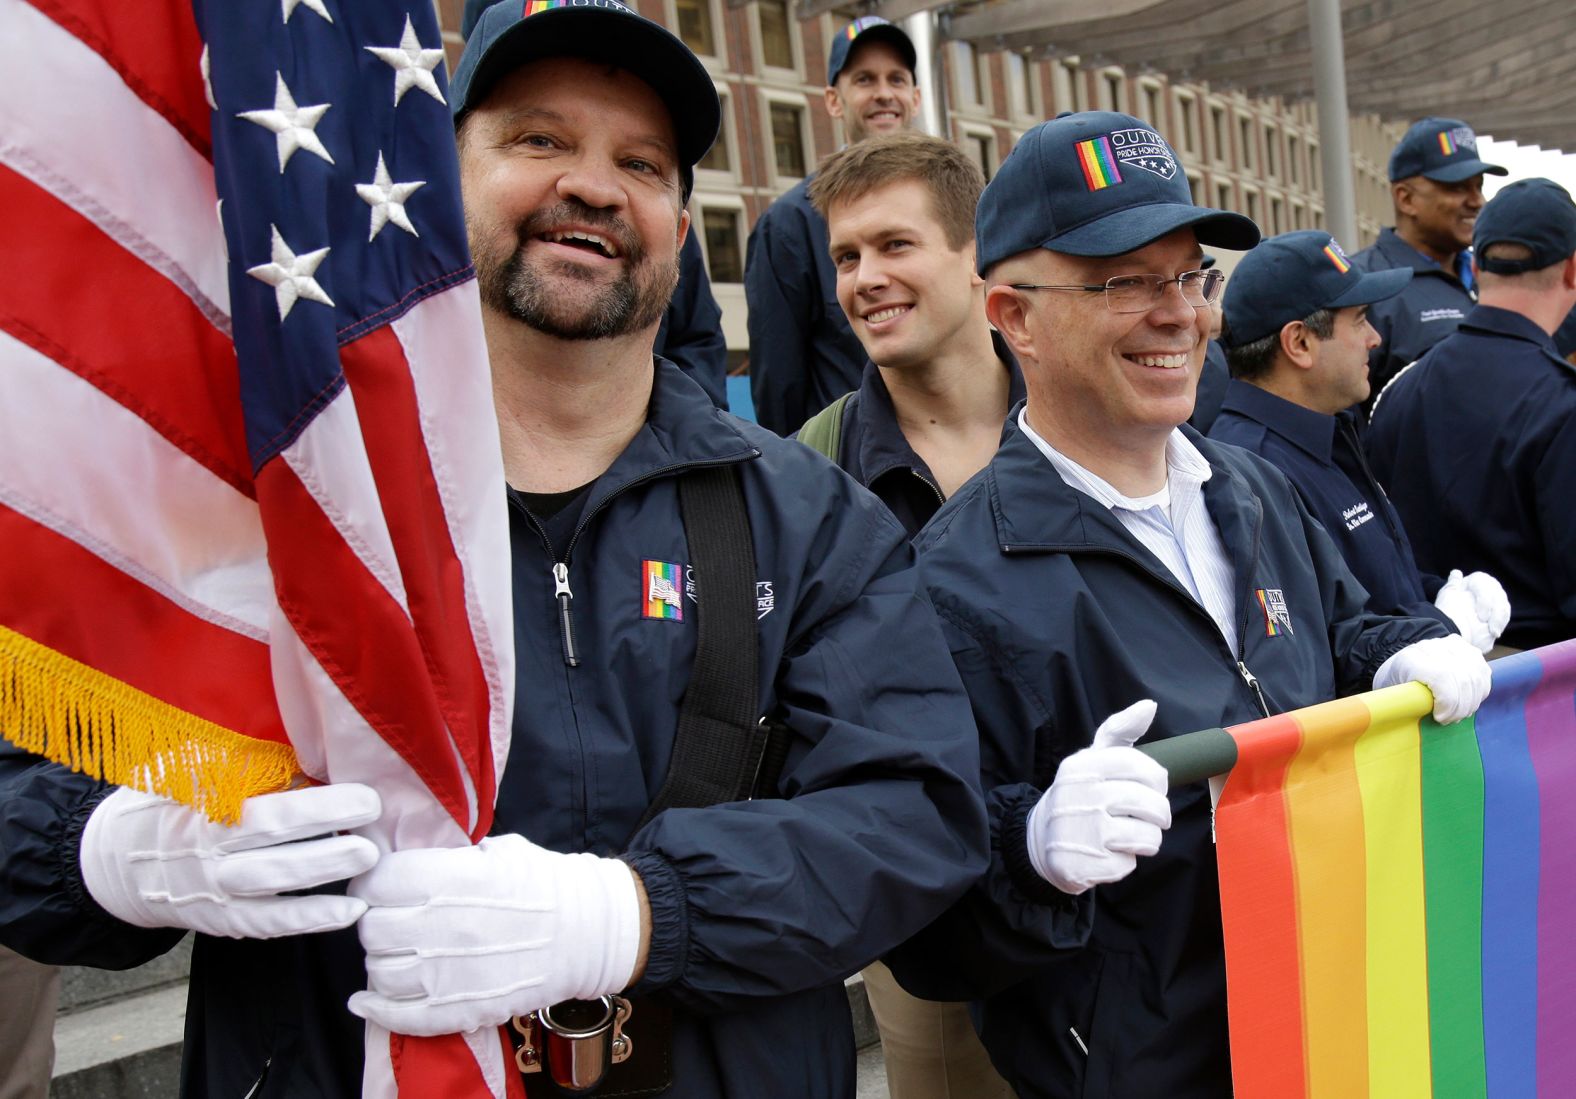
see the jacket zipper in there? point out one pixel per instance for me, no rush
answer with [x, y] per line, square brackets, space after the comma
[561, 591]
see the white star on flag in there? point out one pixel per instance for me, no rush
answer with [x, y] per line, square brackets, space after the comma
[289, 7]
[292, 125]
[412, 64]
[291, 275]
[387, 200]
[205, 65]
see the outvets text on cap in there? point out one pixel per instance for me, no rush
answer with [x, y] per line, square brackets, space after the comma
[868, 28]
[1096, 183]
[1292, 276]
[512, 33]
[1442, 149]
[1535, 213]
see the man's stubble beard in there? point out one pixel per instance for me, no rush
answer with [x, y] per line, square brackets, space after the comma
[636, 299]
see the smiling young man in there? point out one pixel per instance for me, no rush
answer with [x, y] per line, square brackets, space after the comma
[1111, 575]
[1436, 184]
[1297, 341]
[803, 354]
[930, 406]
[727, 904]
[927, 416]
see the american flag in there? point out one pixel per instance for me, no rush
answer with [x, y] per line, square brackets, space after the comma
[250, 486]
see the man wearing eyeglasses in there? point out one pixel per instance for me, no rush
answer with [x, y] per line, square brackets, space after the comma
[1110, 577]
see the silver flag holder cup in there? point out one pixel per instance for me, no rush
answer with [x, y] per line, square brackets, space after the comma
[574, 1041]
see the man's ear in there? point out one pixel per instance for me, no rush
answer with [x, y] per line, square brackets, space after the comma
[1297, 344]
[684, 225]
[1401, 195]
[834, 102]
[1004, 308]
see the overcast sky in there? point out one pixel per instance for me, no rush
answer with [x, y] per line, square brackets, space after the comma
[1526, 162]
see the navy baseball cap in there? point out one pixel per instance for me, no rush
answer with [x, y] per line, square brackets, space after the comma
[868, 28]
[1443, 149]
[514, 32]
[1293, 275]
[1095, 183]
[1535, 213]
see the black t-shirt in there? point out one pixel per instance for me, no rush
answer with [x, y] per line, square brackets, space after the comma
[557, 512]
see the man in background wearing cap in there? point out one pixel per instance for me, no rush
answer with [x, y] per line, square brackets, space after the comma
[1436, 184]
[1109, 576]
[803, 355]
[1477, 442]
[1298, 338]
[729, 924]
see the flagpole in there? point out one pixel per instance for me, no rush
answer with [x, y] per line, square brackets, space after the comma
[1193, 757]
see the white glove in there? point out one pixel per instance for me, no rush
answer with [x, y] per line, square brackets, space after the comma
[1477, 604]
[154, 863]
[465, 937]
[1448, 666]
[1459, 605]
[1106, 807]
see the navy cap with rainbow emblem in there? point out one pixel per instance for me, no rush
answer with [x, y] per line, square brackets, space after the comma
[868, 28]
[1442, 149]
[515, 32]
[1293, 276]
[1095, 183]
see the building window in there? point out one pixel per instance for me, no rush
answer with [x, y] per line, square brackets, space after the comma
[1293, 169]
[719, 158]
[1153, 114]
[1277, 217]
[788, 139]
[1223, 198]
[695, 26]
[1252, 198]
[1217, 131]
[1186, 105]
[1020, 96]
[723, 243]
[1299, 216]
[776, 34]
[1270, 141]
[1068, 86]
[1318, 219]
[981, 148]
[1113, 90]
[1245, 141]
[1315, 169]
[1195, 184]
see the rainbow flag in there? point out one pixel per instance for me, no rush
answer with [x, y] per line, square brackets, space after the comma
[1334, 256]
[1399, 898]
[1098, 163]
[662, 584]
[1446, 146]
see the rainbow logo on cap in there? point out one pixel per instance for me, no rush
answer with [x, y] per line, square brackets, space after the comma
[534, 7]
[1333, 253]
[1446, 146]
[862, 24]
[1099, 166]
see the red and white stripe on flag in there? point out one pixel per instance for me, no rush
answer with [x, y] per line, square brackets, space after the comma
[172, 615]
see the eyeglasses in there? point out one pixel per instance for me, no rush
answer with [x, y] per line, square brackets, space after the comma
[1141, 293]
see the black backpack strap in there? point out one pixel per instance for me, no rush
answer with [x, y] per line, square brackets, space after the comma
[721, 743]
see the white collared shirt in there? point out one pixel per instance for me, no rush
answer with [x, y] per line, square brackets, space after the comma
[1173, 523]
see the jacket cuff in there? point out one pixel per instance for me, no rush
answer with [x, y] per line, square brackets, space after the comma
[1014, 841]
[69, 857]
[667, 954]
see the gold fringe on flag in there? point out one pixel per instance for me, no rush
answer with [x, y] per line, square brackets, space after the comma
[95, 724]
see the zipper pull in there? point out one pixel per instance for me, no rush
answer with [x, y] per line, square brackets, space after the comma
[1253, 685]
[566, 622]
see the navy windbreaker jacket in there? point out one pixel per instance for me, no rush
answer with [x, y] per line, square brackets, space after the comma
[1322, 457]
[690, 335]
[1058, 618]
[877, 454]
[1425, 311]
[803, 354]
[759, 908]
[1477, 444]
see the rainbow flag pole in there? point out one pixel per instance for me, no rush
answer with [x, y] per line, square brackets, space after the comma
[1397, 896]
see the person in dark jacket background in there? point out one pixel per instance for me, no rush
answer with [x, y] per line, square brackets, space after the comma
[1110, 576]
[1477, 441]
[927, 416]
[803, 355]
[1436, 184]
[1298, 339]
[738, 920]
